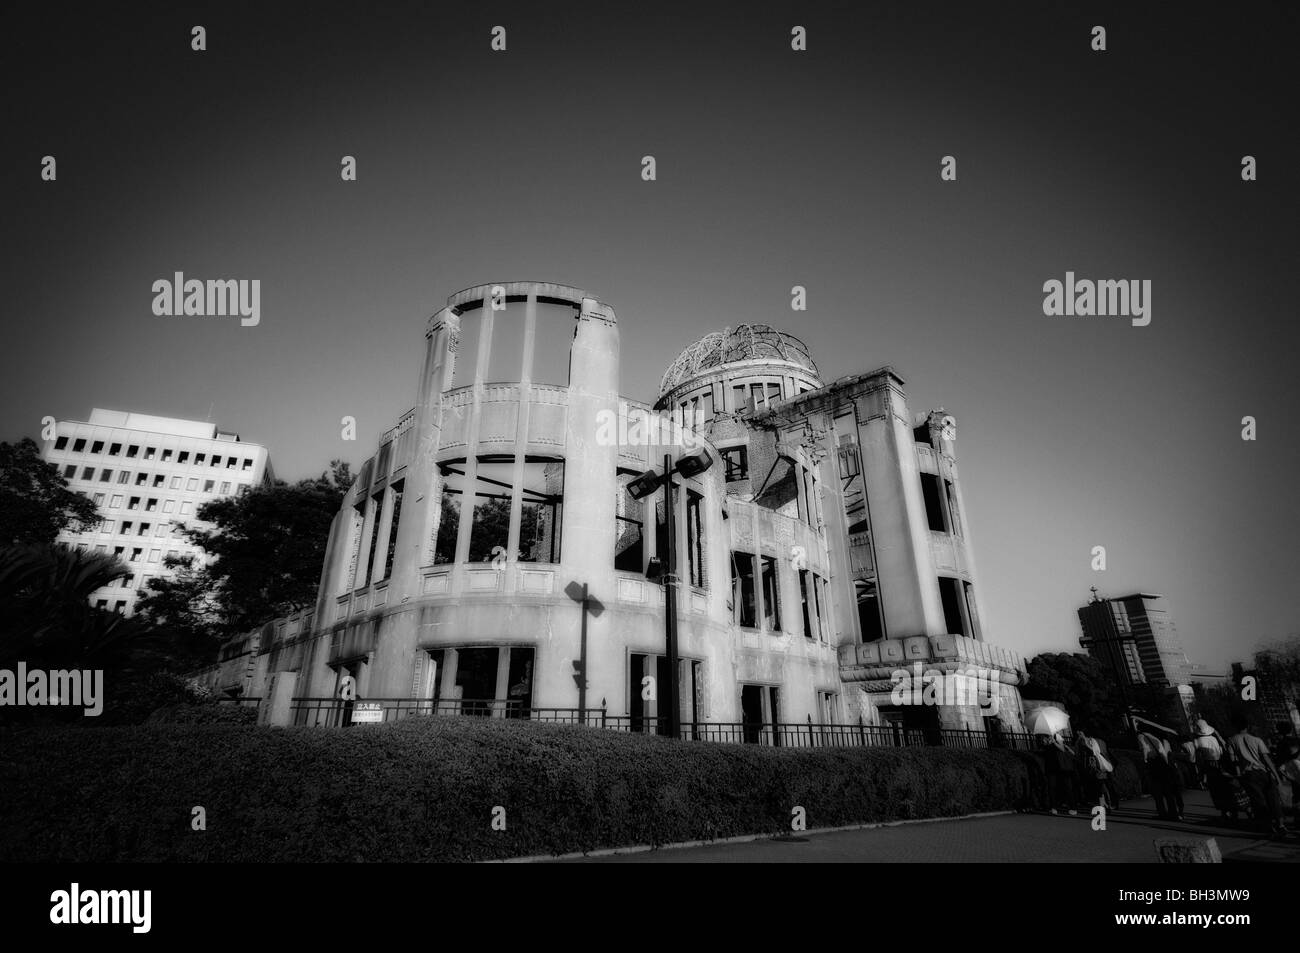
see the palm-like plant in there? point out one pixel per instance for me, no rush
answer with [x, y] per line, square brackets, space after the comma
[49, 622]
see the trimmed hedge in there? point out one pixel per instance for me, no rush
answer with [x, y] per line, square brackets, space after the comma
[203, 713]
[424, 790]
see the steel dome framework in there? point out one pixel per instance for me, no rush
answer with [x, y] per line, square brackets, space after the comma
[745, 342]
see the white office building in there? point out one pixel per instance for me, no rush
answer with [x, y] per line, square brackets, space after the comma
[149, 476]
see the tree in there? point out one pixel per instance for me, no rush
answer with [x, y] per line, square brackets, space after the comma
[265, 548]
[50, 623]
[1277, 665]
[185, 602]
[35, 502]
[1218, 704]
[1083, 685]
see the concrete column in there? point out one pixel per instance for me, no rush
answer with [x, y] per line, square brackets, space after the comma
[908, 585]
[385, 529]
[521, 431]
[503, 676]
[335, 565]
[418, 526]
[363, 553]
[277, 706]
[590, 490]
[450, 662]
[476, 411]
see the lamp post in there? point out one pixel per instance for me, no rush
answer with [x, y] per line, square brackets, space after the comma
[688, 465]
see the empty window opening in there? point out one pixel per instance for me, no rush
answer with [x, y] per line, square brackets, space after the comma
[744, 606]
[933, 505]
[771, 595]
[735, 461]
[953, 598]
[629, 534]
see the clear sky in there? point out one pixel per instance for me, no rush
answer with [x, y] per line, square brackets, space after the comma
[775, 168]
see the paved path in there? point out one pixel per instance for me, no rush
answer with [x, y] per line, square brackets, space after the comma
[1007, 838]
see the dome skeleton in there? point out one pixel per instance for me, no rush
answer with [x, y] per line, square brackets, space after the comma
[745, 342]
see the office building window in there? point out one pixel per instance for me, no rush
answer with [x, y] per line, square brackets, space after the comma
[69, 472]
[144, 529]
[168, 506]
[135, 557]
[61, 443]
[154, 554]
[176, 483]
[79, 446]
[150, 452]
[199, 458]
[183, 456]
[97, 447]
[152, 505]
[230, 463]
[115, 450]
[225, 488]
[123, 476]
[248, 465]
[99, 499]
[134, 504]
[105, 476]
[116, 502]
[88, 473]
[216, 461]
[141, 479]
[208, 485]
[166, 456]
[192, 483]
[132, 451]
[159, 479]
[186, 507]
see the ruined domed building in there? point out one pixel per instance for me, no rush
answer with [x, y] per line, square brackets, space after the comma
[499, 555]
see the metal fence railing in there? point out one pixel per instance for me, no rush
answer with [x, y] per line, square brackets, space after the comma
[334, 712]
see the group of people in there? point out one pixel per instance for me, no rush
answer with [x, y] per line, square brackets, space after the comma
[1243, 777]
[1080, 775]
[1241, 774]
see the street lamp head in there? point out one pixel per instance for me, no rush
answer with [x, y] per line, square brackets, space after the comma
[644, 485]
[694, 463]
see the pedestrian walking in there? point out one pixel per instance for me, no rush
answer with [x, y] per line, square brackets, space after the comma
[1062, 783]
[1163, 776]
[1211, 763]
[1290, 770]
[1259, 776]
[1094, 768]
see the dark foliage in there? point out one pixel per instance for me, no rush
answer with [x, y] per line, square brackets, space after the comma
[35, 502]
[424, 790]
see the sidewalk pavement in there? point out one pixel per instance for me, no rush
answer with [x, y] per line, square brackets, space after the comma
[1012, 838]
